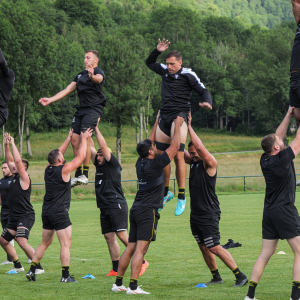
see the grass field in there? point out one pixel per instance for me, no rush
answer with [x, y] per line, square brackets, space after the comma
[175, 263]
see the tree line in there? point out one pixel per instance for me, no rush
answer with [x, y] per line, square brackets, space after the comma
[245, 67]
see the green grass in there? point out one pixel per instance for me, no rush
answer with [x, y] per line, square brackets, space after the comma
[176, 265]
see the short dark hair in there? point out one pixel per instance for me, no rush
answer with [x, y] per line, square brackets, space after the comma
[190, 144]
[175, 54]
[25, 162]
[52, 156]
[5, 162]
[143, 148]
[268, 142]
[94, 52]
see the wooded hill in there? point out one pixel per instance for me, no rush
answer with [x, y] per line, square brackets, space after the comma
[244, 66]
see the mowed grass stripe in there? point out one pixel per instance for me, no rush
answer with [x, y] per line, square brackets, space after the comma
[176, 264]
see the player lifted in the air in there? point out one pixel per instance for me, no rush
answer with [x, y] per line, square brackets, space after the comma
[177, 85]
[88, 84]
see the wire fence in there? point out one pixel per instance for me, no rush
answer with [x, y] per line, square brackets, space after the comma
[225, 184]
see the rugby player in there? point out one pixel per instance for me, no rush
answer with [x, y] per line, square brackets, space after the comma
[55, 211]
[205, 209]
[177, 85]
[89, 84]
[280, 216]
[144, 213]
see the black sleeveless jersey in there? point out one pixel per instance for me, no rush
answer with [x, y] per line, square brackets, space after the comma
[58, 192]
[151, 181]
[108, 183]
[19, 199]
[295, 58]
[202, 190]
[4, 190]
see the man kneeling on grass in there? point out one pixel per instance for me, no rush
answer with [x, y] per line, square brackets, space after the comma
[144, 213]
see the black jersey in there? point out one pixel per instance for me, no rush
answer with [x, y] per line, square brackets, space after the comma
[7, 80]
[4, 190]
[90, 93]
[295, 58]
[202, 190]
[279, 173]
[19, 199]
[58, 192]
[151, 181]
[176, 89]
[108, 183]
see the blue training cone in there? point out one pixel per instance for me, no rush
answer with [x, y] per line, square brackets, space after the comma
[89, 276]
[201, 285]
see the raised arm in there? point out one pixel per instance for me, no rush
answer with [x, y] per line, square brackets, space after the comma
[64, 146]
[96, 78]
[151, 61]
[187, 157]
[102, 144]
[8, 156]
[209, 161]
[77, 161]
[93, 151]
[175, 143]
[152, 134]
[296, 10]
[24, 177]
[295, 144]
[69, 89]
[3, 67]
[281, 130]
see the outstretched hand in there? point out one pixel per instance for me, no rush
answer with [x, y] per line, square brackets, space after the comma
[70, 134]
[45, 101]
[87, 134]
[205, 105]
[163, 46]
[90, 69]
[6, 138]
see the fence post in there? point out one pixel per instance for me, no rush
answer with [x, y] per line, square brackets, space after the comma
[244, 184]
[174, 186]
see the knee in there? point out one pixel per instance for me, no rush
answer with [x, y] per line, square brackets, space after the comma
[22, 242]
[3, 242]
[75, 141]
[216, 250]
[109, 239]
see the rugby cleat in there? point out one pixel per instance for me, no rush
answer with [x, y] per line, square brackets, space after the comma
[214, 281]
[247, 298]
[17, 269]
[116, 288]
[112, 273]
[30, 276]
[82, 179]
[167, 198]
[144, 267]
[39, 271]
[74, 182]
[137, 291]
[180, 207]
[241, 281]
[6, 262]
[68, 279]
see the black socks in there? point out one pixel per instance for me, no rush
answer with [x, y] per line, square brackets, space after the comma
[296, 290]
[252, 287]
[133, 284]
[17, 264]
[78, 171]
[166, 190]
[181, 193]
[65, 271]
[216, 275]
[119, 280]
[115, 265]
[86, 170]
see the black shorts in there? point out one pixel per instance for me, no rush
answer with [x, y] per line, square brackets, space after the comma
[114, 218]
[294, 92]
[84, 119]
[57, 221]
[4, 217]
[165, 122]
[205, 229]
[143, 224]
[27, 220]
[281, 222]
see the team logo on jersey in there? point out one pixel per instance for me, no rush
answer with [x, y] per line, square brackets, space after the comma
[192, 165]
[176, 76]
[20, 224]
[8, 182]
[73, 120]
[166, 75]
[79, 76]
[14, 180]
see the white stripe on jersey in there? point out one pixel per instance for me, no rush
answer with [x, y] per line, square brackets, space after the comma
[189, 71]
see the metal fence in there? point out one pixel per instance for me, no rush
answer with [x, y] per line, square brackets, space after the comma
[174, 180]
